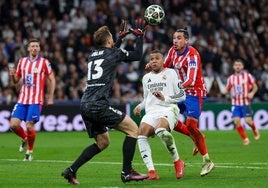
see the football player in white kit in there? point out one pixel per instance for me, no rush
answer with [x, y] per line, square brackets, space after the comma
[162, 92]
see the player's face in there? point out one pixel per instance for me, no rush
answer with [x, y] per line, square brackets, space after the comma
[238, 66]
[156, 62]
[34, 49]
[179, 41]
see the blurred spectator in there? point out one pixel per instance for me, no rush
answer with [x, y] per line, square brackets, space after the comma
[64, 26]
[4, 76]
[79, 21]
[262, 93]
[220, 30]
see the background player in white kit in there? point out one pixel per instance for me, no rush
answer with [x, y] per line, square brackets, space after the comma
[162, 91]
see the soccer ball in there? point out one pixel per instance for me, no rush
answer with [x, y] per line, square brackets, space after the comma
[154, 14]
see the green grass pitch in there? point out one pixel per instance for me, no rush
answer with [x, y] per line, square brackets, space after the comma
[236, 165]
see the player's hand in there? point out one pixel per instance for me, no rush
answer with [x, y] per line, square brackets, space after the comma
[250, 95]
[137, 111]
[123, 32]
[49, 100]
[148, 67]
[159, 95]
[180, 85]
[139, 27]
[12, 71]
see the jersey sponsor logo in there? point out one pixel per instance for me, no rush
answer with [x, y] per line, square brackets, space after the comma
[156, 86]
[97, 84]
[192, 63]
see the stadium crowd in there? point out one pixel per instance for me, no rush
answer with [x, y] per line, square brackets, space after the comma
[221, 30]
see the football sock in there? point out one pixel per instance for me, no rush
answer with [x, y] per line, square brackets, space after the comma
[31, 138]
[145, 151]
[169, 142]
[21, 133]
[29, 151]
[241, 132]
[181, 128]
[196, 136]
[206, 157]
[253, 127]
[85, 156]
[129, 147]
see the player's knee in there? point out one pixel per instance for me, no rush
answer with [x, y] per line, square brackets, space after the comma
[159, 131]
[13, 127]
[14, 124]
[30, 126]
[249, 121]
[129, 127]
[103, 141]
[163, 134]
[103, 144]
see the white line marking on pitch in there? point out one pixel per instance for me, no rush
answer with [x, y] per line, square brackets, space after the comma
[218, 165]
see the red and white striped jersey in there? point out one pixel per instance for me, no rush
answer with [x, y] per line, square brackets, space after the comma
[33, 74]
[189, 70]
[240, 85]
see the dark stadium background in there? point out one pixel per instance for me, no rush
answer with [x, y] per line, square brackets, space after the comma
[221, 30]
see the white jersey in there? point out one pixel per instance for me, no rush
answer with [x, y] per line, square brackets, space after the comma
[168, 84]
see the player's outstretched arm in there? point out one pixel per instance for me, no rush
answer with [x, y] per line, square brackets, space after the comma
[138, 30]
[122, 33]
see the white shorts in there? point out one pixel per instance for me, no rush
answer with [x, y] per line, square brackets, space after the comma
[153, 117]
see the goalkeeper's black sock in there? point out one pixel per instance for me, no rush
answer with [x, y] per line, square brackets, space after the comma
[85, 156]
[129, 146]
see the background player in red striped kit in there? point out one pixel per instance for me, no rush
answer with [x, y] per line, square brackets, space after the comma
[185, 59]
[243, 88]
[33, 71]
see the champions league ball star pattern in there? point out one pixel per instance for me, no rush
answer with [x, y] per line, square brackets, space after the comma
[154, 14]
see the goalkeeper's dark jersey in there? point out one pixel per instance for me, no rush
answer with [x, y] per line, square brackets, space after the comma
[102, 64]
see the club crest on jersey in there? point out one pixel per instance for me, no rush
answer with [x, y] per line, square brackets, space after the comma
[35, 70]
[164, 77]
[177, 65]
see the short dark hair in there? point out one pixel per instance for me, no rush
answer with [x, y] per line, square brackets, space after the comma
[32, 40]
[155, 51]
[239, 60]
[184, 31]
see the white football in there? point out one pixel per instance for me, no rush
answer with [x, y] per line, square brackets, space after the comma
[154, 14]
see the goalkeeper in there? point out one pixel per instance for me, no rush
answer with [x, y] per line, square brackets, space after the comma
[96, 112]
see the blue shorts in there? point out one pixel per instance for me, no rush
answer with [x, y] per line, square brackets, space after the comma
[241, 111]
[191, 107]
[27, 112]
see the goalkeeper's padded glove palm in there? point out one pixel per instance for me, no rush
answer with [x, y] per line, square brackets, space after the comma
[123, 32]
[140, 27]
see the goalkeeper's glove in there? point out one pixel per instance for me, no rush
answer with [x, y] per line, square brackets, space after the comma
[123, 32]
[139, 28]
